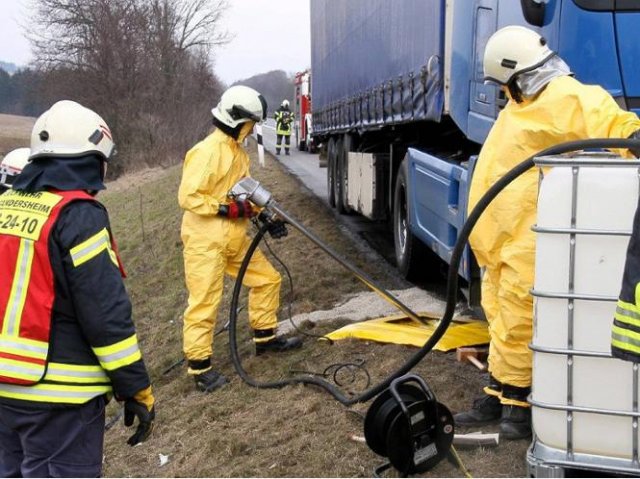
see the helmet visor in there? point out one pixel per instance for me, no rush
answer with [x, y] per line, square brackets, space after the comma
[239, 112]
[7, 176]
[531, 82]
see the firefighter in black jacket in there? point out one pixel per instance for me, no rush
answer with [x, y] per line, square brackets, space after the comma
[67, 340]
[284, 119]
[625, 333]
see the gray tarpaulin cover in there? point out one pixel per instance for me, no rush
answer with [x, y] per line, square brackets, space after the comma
[375, 62]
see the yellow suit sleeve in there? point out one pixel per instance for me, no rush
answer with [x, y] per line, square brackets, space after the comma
[603, 118]
[200, 191]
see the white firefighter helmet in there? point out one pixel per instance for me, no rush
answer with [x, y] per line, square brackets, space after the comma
[285, 104]
[513, 50]
[68, 129]
[240, 104]
[12, 165]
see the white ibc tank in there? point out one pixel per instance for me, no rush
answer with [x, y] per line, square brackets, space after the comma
[583, 294]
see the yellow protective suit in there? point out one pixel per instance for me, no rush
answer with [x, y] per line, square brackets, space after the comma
[502, 240]
[214, 245]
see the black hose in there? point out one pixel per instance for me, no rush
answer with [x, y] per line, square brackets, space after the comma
[452, 278]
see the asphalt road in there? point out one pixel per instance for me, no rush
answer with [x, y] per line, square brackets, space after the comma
[300, 163]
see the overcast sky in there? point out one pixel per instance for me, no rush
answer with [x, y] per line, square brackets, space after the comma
[267, 35]
[14, 47]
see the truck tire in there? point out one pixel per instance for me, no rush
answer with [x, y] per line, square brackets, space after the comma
[331, 176]
[411, 253]
[309, 141]
[339, 178]
[343, 147]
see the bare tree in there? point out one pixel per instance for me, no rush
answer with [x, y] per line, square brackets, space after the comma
[142, 64]
[190, 24]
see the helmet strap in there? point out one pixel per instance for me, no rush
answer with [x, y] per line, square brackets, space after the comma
[103, 170]
[515, 92]
[233, 132]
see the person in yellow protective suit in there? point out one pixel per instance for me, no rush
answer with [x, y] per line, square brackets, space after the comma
[215, 239]
[546, 107]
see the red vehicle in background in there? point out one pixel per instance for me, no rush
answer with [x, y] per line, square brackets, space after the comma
[303, 125]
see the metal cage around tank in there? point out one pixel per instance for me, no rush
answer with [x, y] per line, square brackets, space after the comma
[570, 425]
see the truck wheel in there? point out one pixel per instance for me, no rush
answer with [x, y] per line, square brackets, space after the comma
[343, 147]
[410, 251]
[331, 176]
[339, 180]
[309, 141]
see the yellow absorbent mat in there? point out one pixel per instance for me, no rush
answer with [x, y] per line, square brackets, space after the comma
[399, 329]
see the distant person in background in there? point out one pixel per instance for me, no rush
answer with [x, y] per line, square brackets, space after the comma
[284, 121]
[546, 107]
[11, 166]
[67, 339]
[214, 234]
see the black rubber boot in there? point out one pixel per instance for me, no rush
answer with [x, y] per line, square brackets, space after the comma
[209, 381]
[266, 341]
[515, 422]
[486, 410]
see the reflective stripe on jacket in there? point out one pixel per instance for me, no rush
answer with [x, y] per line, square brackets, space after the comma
[625, 333]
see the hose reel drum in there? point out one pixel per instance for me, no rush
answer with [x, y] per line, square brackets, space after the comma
[409, 426]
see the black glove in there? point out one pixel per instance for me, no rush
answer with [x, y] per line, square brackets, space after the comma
[133, 409]
[237, 209]
[276, 228]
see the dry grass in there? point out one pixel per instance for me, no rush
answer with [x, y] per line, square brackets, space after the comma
[14, 132]
[244, 432]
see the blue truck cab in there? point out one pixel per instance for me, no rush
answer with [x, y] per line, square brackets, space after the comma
[401, 104]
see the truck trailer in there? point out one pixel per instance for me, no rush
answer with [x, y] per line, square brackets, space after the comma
[400, 103]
